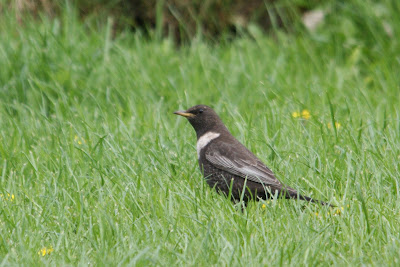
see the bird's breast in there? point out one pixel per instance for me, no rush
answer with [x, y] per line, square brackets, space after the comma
[204, 140]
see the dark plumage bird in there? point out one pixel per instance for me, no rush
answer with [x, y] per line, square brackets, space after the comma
[226, 163]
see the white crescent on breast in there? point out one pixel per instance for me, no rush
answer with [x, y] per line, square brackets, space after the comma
[204, 140]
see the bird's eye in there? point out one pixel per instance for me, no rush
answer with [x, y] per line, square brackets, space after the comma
[201, 111]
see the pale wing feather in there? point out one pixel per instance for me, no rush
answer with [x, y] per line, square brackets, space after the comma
[240, 162]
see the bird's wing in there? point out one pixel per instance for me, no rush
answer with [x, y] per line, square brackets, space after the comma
[236, 159]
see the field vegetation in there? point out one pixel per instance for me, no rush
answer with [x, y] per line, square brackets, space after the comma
[96, 170]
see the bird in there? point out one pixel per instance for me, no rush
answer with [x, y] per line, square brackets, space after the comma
[228, 166]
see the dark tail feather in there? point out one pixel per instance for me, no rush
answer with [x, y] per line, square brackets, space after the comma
[291, 193]
[313, 200]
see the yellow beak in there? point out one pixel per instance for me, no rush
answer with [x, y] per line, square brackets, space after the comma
[184, 114]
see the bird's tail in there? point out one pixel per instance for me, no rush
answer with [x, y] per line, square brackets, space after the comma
[313, 200]
[291, 193]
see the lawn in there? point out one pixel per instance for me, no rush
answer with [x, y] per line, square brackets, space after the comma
[96, 170]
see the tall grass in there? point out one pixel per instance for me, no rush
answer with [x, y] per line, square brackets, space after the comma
[103, 173]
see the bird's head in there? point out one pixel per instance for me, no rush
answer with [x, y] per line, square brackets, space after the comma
[202, 118]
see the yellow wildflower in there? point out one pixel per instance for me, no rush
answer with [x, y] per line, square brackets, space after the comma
[264, 206]
[337, 125]
[8, 197]
[295, 114]
[45, 251]
[305, 114]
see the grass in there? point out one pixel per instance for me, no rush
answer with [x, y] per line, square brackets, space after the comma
[103, 173]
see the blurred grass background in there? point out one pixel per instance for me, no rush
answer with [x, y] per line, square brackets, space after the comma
[96, 170]
[181, 19]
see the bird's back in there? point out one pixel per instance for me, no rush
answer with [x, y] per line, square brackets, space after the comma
[226, 163]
